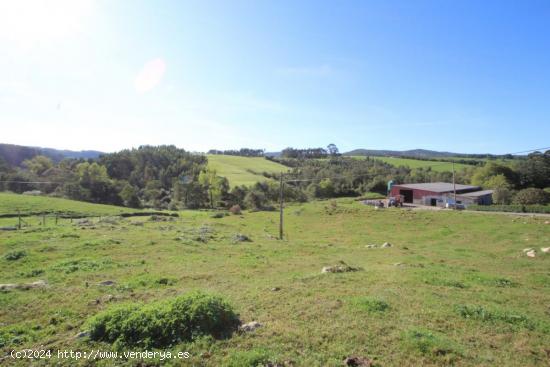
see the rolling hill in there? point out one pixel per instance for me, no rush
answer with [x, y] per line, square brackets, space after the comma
[14, 155]
[417, 163]
[243, 170]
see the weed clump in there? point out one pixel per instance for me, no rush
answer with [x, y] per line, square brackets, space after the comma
[165, 323]
[430, 344]
[483, 314]
[15, 255]
[370, 304]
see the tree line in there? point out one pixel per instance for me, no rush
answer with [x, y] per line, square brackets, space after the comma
[165, 177]
[243, 152]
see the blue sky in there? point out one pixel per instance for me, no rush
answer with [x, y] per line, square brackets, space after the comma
[465, 76]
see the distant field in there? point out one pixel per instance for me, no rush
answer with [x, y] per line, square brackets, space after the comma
[11, 203]
[243, 170]
[417, 163]
[455, 288]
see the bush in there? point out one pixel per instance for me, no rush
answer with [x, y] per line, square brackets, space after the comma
[532, 196]
[15, 255]
[164, 323]
[235, 209]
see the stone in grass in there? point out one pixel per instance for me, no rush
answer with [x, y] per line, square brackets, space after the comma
[239, 237]
[371, 246]
[386, 245]
[107, 283]
[24, 286]
[356, 361]
[546, 250]
[82, 334]
[342, 267]
[250, 326]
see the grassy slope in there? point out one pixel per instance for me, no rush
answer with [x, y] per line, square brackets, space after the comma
[416, 163]
[243, 170]
[11, 203]
[449, 259]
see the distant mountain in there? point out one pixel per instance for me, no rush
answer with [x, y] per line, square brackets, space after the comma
[14, 155]
[418, 153]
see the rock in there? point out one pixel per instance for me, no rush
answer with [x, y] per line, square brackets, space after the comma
[26, 286]
[545, 249]
[531, 253]
[108, 298]
[37, 284]
[275, 289]
[386, 245]
[528, 249]
[399, 264]
[370, 246]
[7, 287]
[356, 361]
[251, 326]
[340, 268]
[84, 222]
[241, 238]
[107, 283]
[547, 222]
[82, 334]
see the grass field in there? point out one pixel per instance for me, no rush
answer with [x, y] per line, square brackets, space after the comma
[416, 163]
[11, 203]
[243, 170]
[454, 289]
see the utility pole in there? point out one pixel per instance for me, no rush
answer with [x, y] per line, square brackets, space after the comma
[454, 185]
[281, 207]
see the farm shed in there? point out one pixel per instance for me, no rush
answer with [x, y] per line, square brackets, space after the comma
[441, 193]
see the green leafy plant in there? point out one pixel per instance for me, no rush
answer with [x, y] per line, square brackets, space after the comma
[165, 323]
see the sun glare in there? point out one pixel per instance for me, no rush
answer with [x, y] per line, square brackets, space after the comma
[29, 21]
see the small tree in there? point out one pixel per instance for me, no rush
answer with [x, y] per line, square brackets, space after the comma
[254, 200]
[332, 150]
[39, 164]
[502, 196]
[129, 196]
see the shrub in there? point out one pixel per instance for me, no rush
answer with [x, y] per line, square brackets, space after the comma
[235, 209]
[532, 196]
[164, 323]
[15, 255]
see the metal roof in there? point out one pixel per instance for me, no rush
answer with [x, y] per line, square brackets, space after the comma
[438, 187]
[478, 193]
